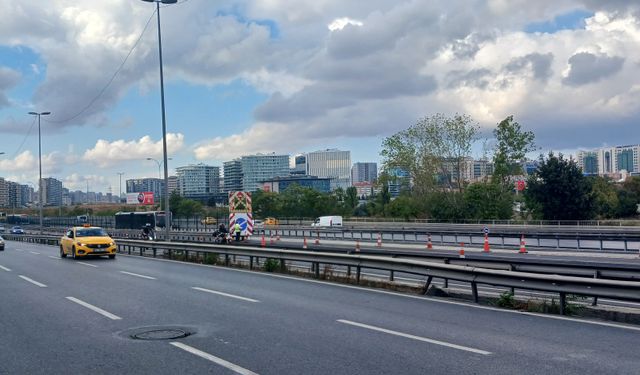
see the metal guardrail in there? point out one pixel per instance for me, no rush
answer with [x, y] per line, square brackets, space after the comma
[563, 285]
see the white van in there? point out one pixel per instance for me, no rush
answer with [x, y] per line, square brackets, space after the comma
[328, 221]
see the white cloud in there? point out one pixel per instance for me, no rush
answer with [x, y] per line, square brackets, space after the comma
[106, 153]
[341, 23]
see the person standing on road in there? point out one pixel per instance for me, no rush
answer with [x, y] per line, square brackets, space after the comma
[238, 230]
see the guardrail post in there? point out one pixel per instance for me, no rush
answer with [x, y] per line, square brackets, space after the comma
[427, 284]
[226, 260]
[626, 246]
[283, 266]
[348, 271]
[155, 252]
[186, 255]
[446, 281]
[558, 242]
[513, 290]
[474, 290]
[250, 263]
[601, 244]
[578, 240]
[596, 275]
[317, 269]
[563, 303]
[391, 275]
[358, 274]
[129, 249]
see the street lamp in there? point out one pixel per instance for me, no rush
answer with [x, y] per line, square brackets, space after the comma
[39, 114]
[164, 123]
[159, 164]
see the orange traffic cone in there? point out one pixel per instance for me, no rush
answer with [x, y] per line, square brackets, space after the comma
[304, 244]
[318, 238]
[461, 249]
[486, 243]
[523, 249]
[429, 244]
[379, 240]
[357, 246]
[263, 243]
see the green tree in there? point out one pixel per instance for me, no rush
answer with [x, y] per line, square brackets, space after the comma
[351, 197]
[629, 197]
[605, 195]
[403, 207]
[488, 201]
[266, 203]
[434, 146]
[512, 145]
[559, 190]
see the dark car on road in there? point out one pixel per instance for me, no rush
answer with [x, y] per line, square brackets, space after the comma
[1, 243]
[16, 230]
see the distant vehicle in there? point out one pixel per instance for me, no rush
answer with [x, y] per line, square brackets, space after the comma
[16, 230]
[271, 221]
[1, 243]
[209, 221]
[136, 220]
[2, 229]
[87, 241]
[328, 221]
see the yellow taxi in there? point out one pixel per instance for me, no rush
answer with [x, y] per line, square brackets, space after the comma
[209, 221]
[271, 221]
[87, 241]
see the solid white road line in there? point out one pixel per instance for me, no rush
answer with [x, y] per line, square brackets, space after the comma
[41, 285]
[94, 308]
[87, 264]
[424, 339]
[5, 268]
[224, 294]
[235, 368]
[34, 252]
[138, 275]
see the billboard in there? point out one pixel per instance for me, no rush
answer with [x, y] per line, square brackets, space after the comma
[142, 198]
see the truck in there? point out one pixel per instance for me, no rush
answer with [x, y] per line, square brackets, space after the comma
[327, 221]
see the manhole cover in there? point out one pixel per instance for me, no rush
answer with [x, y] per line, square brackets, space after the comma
[161, 334]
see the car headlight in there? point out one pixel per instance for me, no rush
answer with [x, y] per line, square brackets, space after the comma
[82, 244]
[112, 244]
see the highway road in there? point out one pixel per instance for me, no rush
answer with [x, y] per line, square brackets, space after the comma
[76, 317]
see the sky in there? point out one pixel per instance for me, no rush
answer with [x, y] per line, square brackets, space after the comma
[243, 77]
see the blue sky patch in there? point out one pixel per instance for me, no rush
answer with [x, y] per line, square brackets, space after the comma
[567, 21]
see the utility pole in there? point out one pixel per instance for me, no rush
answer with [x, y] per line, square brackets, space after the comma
[120, 196]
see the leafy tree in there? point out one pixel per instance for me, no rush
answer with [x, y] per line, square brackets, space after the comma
[559, 190]
[512, 145]
[629, 197]
[606, 202]
[266, 203]
[351, 197]
[488, 201]
[183, 207]
[404, 207]
[434, 146]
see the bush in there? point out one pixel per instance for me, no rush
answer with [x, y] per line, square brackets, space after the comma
[210, 258]
[507, 301]
[271, 265]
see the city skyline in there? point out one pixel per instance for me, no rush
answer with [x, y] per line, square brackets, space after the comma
[295, 78]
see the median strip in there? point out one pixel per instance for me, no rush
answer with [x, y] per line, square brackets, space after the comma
[418, 338]
[94, 308]
[5, 268]
[41, 285]
[138, 275]
[233, 367]
[224, 294]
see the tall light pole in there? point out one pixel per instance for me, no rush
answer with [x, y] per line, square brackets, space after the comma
[40, 114]
[167, 221]
[159, 164]
[120, 196]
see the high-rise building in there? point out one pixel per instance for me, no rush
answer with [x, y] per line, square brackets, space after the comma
[173, 184]
[482, 168]
[331, 163]
[26, 195]
[232, 176]
[300, 168]
[199, 181]
[280, 184]
[261, 167]
[364, 172]
[4, 193]
[138, 185]
[610, 160]
[51, 192]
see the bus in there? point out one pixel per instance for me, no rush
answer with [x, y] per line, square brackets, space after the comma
[137, 220]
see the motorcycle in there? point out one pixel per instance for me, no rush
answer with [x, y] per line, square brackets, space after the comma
[219, 237]
[149, 235]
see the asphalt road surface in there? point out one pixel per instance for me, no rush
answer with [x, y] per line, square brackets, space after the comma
[60, 316]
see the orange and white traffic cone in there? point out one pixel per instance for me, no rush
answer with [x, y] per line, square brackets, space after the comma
[379, 240]
[461, 249]
[486, 243]
[357, 246]
[317, 242]
[263, 243]
[523, 249]
[429, 244]
[304, 244]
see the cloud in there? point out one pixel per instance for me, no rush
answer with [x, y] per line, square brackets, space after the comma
[341, 23]
[77, 181]
[8, 79]
[106, 153]
[539, 64]
[587, 68]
